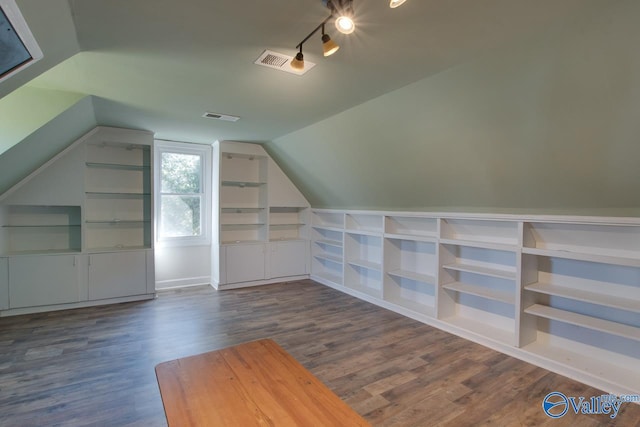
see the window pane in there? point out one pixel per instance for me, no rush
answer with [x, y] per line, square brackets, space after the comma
[180, 216]
[13, 53]
[181, 173]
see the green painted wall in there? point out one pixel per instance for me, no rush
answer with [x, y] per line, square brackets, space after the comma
[550, 127]
[40, 146]
[24, 110]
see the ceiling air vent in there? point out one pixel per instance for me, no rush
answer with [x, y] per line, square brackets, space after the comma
[225, 117]
[280, 61]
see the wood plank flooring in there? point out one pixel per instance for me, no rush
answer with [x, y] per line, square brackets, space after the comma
[95, 366]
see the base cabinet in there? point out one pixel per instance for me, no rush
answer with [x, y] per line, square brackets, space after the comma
[245, 263]
[43, 280]
[117, 274]
[288, 258]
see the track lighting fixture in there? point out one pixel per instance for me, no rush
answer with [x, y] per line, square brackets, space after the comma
[395, 3]
[329, 47]
[297, 63]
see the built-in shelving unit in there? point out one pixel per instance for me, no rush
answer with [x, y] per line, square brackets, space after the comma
[118, 196]
[262, 231]
[78, 231]
[561, 292]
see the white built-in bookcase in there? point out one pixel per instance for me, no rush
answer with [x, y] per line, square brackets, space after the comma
[559, 291]
[78, 230]
[262, 233]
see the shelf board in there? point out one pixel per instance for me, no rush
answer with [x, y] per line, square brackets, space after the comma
[584, 256]
[326, 242]
[242, 184]
[369, 265]
[594, 323]
[237, 242]
[328, 228]
[116, 195]
[598, 298]
[71, 251]
[290, 224]
[43, 226]
[119, 221]
[416, 307]
[288, 239]
[485, 271]
[331, 258]
[604, 367]
[376, 293]
[414, 238]
[480, 291]
[240, 210]
[364, 232]
[244, 224]
[411, 275]
[480, 244]
[333, 278]
[117, 166]
[117, 248]
[482, 329]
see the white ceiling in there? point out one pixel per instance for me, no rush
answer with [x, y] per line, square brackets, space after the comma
[159, 65]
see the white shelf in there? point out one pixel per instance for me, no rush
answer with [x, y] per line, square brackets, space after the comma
[117, 166]
[605, 368]
[482, 329]
[70, 251]
[331, 258]
[363, 233]
[480, 244]
[601, 325]
[414, 306]
[236, 242]
[426, 239]
[485, 271]
[242, 184]
[328, 228]
[326, 242]
[333, 278]
[365, 264]
[411, 275]
[374, 292]
[603, 299]
[481, 291]
[583, 256]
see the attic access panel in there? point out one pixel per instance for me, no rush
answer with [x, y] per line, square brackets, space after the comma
[18, 47]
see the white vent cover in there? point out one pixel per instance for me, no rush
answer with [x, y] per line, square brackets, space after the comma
[224, 117]
[280, 61]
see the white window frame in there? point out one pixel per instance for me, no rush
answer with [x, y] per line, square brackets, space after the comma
[204, 151]
[11, 10]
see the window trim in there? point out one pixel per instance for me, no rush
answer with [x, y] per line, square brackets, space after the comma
[205, 152]
[19, 24]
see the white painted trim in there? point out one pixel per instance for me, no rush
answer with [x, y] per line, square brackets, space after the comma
[258, 282]
[183, 283]
[82, 304]
[23, 31]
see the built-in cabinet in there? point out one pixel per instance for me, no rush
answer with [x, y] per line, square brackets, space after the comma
[262, 219]
[78, 231]
[560, 292]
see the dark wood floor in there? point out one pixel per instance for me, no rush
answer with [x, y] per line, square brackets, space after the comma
[95, 366]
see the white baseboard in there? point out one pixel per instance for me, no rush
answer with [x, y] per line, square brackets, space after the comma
[184, 282]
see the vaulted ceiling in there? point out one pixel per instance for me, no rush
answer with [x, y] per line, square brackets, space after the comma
[159, 65]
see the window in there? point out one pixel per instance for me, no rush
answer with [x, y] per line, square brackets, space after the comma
[182, 201]
[18, 48]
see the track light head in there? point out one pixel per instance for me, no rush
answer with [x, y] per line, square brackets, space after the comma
[395, 3]
[297, 63]
[343, 12]
[329, 47]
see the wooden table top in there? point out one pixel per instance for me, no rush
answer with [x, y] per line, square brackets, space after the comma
[252, 384]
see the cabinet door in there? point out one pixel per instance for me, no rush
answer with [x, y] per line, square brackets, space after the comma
[43, 280]
[288, 258]
[245, 263]
[4, 283]
[117, 274]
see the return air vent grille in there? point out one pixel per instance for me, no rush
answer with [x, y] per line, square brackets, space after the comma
[280, 61]
[224, 117]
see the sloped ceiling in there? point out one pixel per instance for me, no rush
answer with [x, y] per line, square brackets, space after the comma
[160, 65]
